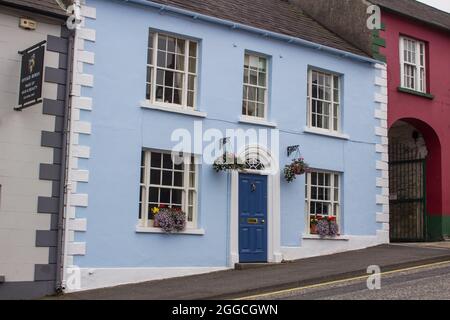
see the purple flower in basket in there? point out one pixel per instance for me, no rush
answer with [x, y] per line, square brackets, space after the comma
[179, 220]
[165, 220]
[323, 228]
[171, 220]
[334, 229]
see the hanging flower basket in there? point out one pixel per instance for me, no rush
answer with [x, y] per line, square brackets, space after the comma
[228, 161]
[296, 168]
[170, 220]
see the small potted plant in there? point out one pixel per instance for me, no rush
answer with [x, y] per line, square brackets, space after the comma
[296, 168]
[313, 225]
[155, 212]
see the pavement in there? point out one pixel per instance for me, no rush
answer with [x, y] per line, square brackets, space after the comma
[242, 283]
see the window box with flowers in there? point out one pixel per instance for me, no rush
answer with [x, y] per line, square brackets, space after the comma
[324, 226]
[168, 219]
[168, 197]
[323, 203]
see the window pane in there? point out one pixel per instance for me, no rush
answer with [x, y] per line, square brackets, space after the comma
[168, 95]
[336, 82]
[171, 44]
[178, 179]
[192, 180]
[190, 97]
[179, 59]
[314, 178]
[170, 61]
[176, 197]
[150, 56]
[168, 79]
[192, 65]
[156, 160]
[180, 46]
[165, 196]
[253, 77]
[159, 93]
[160, 77]
[179, 62]
[246, 75]
[191, 82]
[148, 92]
[251, 109]
[252, 92]
[244, 107]
[177, 96]
[161, 59]
[162, 42]
[261, 95]
[167, 178]
[192, 49]
[191, 198]
[155, 176]
[153, 195]
[150, 39]
[262, 79]
[260, 110]
[167, 161]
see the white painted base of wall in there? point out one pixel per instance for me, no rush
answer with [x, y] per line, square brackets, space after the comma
[95, 278]
[318, 247]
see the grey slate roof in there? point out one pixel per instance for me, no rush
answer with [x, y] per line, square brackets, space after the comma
[272, 15]
[41, 6]
[417, 10]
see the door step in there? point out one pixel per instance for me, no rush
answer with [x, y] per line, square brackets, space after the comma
[247, 266]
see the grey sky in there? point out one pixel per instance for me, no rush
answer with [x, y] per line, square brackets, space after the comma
[440, 4]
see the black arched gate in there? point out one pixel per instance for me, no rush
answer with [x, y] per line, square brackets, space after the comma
[407, 189]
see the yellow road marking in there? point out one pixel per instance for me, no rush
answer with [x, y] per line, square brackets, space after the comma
[275, 293]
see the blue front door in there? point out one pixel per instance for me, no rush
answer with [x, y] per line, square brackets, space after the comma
[252, 218]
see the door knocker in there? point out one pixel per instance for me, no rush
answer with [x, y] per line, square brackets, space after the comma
[253, 187]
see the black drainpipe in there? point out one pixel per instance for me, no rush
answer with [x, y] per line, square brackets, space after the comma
[64, 161]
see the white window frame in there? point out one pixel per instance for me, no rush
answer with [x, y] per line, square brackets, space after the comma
[418, 65]
[145, 221]
[332, 202]
[265, 88]
[332, 114]
[186, 73]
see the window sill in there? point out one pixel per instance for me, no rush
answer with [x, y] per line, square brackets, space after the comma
[327, 134]
[317, 237]
[256, 121]
[416, 93]
[180, 110]
[198, 232]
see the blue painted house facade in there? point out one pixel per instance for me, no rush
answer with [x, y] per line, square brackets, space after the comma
[152, 74]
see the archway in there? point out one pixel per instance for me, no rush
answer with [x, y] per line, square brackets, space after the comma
[415, 179]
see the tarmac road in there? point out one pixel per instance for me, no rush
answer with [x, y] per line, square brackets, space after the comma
[427, 283]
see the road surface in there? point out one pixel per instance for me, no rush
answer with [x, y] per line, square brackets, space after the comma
[424, 283]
